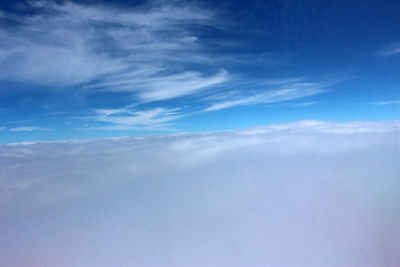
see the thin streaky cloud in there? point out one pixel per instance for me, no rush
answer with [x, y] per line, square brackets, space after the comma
[127, 119]
[304, 104]
[180, 85]
[286, 93]
[162, 87]
[28, 129]
[111, 49]
[384, 103]
[108, 112]
[390, 50]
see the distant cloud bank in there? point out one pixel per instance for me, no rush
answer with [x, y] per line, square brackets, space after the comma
[309, 193]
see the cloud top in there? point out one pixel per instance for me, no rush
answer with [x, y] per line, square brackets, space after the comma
[308, 193]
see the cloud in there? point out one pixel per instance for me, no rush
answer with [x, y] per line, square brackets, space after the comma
[180, 85]
[28, 129]
[141, 53]
[289, 91]
[309, 193]
[164, 87]
[330, 127]
[127, 119]
[160, 118]
[384, 103]
[143, 50]
[390, 50]
[304, 104]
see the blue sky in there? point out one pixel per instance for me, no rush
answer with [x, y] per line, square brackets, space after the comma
[92, 69]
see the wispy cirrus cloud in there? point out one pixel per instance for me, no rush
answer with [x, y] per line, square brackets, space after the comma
[127, 119]
[390, 50]
[144, 50]
[132, 117]
[28, 129]
[162, 87]
[304, 104]
[285, 92]
[385, 103]
[143, 53]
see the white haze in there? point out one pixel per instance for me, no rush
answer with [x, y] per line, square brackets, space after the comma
[291, 195]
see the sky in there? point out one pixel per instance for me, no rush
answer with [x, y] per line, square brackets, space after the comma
[93, 69]
[307, 193]
[199, 133]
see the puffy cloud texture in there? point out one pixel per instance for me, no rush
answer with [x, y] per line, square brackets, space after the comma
[309, 193]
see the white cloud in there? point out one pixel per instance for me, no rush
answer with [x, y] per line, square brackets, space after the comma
[304, 104]
[153, 88]
[390, 50]
[144, 50]
[308, 193]
[290, 91]
[180, 85]
[128, 119]
[330, 127]
[28, 129]
[384, 103]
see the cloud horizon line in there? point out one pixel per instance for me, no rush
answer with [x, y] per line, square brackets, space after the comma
[318, 126]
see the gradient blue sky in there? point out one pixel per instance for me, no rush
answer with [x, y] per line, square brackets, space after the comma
[98, 69]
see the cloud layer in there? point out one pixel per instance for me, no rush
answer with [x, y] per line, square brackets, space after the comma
[309, 193]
